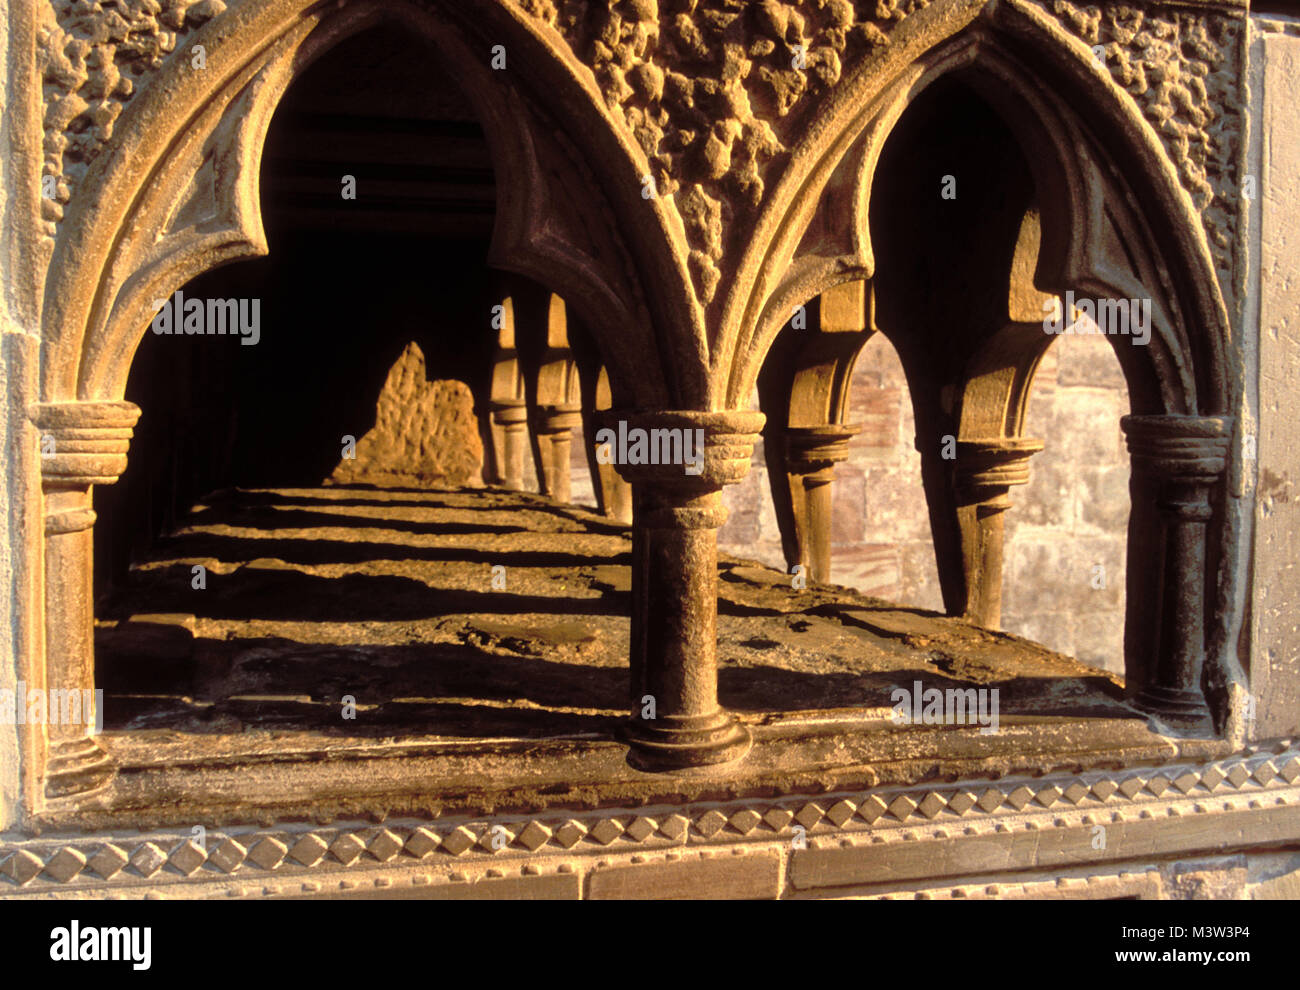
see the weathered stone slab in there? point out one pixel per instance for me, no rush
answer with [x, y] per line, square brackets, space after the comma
[556, 887]
[755, 877]
[1275, 660]
[1041, 848]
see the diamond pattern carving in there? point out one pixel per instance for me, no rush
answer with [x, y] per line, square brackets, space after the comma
[674, 827]
[21, 866]
[1020, 797]
[872, 808]
[710, 823]
[609, 829]
[1130, 786]
[991, 799]
[1185, 782]
[1157, 785]
[931, 805]
[1048, 796]
[1103, 789]
[1075, 793]
[308, 850]
[421, 843]
[458, 841]
[961, 802]
[902, 806]
[228, 856]
[1212, 778]
[268, 853]
[569, 834]
[347, 848]
[535, 835]
[148, 859]
[65, 864]
[745, 820]
[778, 818]
[108, 861]
[385, 845]
[187, 857]
[809, 815]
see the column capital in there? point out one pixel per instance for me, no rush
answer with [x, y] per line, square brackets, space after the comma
[722, 458]
[559, 418]
[1183, 449]
[87, 441]
[810, 449]
[508, 412]
[987, 468]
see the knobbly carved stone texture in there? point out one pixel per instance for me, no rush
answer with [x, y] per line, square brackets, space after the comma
[712, 94]
[1183, 70]
[92, 55]
[425, 434]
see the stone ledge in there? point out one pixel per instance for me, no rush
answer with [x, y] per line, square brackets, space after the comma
[828, 846]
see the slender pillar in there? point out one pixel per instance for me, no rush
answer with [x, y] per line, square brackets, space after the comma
[613, 494]
[811, 454]
[804, 390]
[555, 425]
[508, 408]
[510, 423]
[83, 444]
[1179, 461]
[678, 509]
[985, 472]
[551, 387]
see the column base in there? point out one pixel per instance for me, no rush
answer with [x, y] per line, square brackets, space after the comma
[1183, 710]
[677, 742]
[78, 766]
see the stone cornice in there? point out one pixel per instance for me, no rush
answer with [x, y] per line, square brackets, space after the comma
[963, 828]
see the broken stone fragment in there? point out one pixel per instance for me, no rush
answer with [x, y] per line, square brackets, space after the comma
[425, 434]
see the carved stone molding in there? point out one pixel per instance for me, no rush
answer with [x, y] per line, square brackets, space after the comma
[84, 443]
[1181, 801]
[729, 439]
[814, 449]
[1186, 449]
[987, 469]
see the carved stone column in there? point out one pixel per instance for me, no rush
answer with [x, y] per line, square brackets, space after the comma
[555, 425]
[675, 592]
[985, 472]
[811, 453]
[613, 493]
[509, 410]
[804, 390]
[82, 444]
[1177, 462]
[510, 425]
